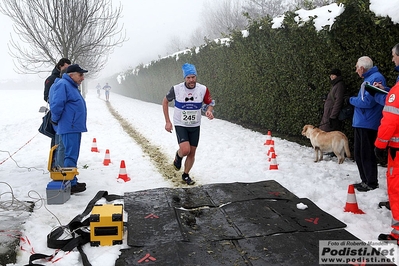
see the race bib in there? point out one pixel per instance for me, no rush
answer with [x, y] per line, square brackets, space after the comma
[189, 117]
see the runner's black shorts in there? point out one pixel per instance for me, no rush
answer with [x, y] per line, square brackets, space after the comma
[190, 134]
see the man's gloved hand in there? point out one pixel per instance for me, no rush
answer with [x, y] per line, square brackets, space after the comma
[379, 154]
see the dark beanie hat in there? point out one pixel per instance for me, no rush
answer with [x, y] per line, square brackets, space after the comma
[335, 71]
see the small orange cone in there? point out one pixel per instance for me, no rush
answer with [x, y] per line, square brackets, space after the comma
[94, 146]
[122, 172]
[268, 138]
[269, 153]
[351, 203]
[271, 149]
[273, 162]
[107, 159]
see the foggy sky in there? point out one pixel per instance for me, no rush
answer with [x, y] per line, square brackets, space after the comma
[149, 26]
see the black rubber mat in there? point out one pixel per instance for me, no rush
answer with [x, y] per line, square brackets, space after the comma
[208, 224]
[223, 193]
[150, 218]
[296, 249]
[256, 218]
[226, 224]
[184, 254]
[283, 249]
[189, 197]
[269, 190]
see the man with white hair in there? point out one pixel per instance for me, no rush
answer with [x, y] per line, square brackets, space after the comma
[366, 120]
[69, 113]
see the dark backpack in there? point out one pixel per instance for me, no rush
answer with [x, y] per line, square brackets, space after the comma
[347, 109]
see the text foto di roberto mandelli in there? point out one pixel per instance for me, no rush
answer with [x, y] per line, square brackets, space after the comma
[356, 243]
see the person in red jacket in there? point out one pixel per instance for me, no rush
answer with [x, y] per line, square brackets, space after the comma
[388, 138]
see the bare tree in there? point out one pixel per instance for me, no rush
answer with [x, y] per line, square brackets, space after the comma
[197, 38]
[175, 44]
[261, 8]
[85, 31]
[311, 4]
[224, 18]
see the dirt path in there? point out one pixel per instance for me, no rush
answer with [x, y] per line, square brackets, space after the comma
[159, 159]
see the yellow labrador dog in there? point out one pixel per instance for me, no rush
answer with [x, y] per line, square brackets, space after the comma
[334, 141]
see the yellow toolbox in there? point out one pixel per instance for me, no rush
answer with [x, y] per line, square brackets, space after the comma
[106, 225]
[60, 173]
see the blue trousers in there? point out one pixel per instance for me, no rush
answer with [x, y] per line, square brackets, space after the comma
[72, 148]
[59, 153]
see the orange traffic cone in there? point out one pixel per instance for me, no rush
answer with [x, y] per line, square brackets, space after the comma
[351, 203]
[107, 159]
[269, 153]
[273, 162]
[122, 172]
[268, 138]
[94, 146]
[271, 149]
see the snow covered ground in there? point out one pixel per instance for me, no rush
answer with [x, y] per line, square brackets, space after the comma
[227, 153]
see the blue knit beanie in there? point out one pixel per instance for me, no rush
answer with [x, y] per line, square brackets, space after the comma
[188, 69]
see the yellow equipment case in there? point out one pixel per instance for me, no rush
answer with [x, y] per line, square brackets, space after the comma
[62, 173]
[106, 225]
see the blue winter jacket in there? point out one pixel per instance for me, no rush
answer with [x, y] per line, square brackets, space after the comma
[68, 108]
[368, 112]
[50, 97]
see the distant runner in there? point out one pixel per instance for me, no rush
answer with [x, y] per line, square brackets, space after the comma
[107, 88]
[98, 87]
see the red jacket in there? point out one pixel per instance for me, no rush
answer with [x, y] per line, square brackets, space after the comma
[388, 131]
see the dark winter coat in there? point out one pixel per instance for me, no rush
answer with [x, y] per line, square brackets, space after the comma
[49, 81]
[333, 103]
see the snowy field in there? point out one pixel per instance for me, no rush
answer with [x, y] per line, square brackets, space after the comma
[227, 153]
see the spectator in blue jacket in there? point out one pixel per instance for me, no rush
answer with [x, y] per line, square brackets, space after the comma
[366, 120]
[59, 153]
[69, 113]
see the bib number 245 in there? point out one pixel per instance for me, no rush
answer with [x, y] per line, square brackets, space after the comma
[189, 117]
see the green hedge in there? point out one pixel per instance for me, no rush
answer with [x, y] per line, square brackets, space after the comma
[274, 79]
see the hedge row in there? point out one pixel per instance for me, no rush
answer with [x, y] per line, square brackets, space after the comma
[275, 79]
